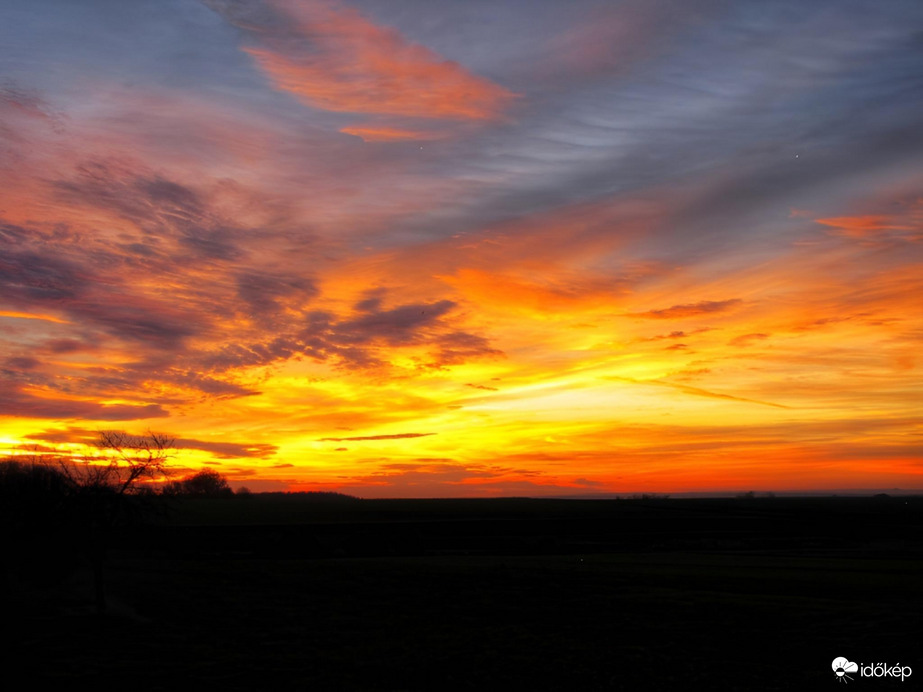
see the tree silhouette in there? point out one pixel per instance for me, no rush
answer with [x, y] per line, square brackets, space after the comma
[107, 490]
[123, 463]
[205, 483]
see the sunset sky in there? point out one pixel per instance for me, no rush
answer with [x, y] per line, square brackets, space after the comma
[403, 248]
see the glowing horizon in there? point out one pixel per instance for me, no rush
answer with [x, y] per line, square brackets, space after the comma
[435, 250]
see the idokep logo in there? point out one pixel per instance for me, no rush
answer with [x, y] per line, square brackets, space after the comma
[843, 666]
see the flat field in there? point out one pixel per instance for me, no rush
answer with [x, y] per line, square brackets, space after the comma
[287, 592]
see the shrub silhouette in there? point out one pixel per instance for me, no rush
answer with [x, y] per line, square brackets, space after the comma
[205, 483]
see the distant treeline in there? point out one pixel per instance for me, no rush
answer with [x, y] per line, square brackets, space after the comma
[65, 478]
[321, 495]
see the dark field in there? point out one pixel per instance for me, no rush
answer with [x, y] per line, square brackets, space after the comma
[289, 593]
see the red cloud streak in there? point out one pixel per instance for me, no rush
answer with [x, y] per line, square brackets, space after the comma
[339, 61]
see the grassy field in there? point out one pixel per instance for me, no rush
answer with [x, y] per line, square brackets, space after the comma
[434, 595]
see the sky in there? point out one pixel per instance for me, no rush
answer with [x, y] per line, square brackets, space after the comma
[432, 248]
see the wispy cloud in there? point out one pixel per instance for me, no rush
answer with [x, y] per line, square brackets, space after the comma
[398, 436]
[333, 58]
[696, 391]
[906, 224]
[223, 450]
[371, 133]
[748, 339]
[704, 307]
[481, 386]
[16, 401]
[229, 450]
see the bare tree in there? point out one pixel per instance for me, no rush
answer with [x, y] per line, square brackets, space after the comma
[104, 483]
[124, 461]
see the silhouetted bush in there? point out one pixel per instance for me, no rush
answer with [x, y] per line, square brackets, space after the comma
[205, 483]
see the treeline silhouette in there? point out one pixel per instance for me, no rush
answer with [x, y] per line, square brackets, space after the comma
[318, 495]
[58, 515]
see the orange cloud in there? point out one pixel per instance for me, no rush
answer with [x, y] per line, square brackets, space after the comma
[696, 391]
[541, 298]
[860, 226]
[399, 436]
[388, 134]
[32, 316]
[704, 307]
[747, 339]
[906, 224]
[337, 60]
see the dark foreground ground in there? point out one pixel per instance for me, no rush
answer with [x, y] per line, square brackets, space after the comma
[285, 593]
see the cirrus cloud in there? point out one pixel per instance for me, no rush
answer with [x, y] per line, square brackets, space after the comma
[335, 59]
[703, 307]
